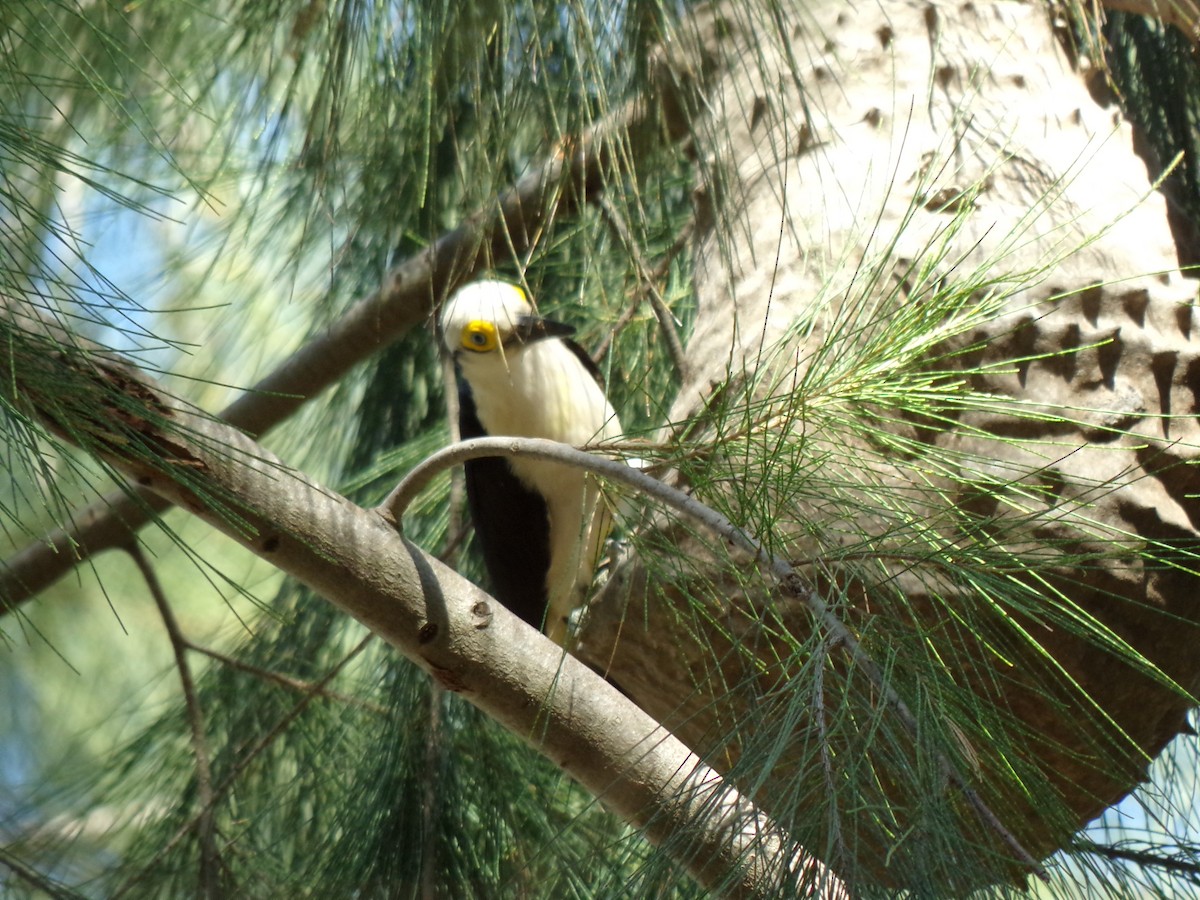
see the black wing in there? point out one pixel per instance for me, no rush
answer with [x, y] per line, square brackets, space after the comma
[588, 363]
[512, 525]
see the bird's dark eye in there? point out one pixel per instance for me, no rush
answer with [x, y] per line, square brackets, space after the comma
[478, 339]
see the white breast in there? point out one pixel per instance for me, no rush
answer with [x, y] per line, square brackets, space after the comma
[542, 390]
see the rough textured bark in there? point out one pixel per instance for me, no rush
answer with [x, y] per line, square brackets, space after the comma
[901, 117]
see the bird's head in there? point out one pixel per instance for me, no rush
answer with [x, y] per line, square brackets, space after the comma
[494, 319]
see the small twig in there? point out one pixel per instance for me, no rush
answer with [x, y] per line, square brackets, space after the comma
[649, 279]
[457, 530]
[42, 883]
[819, 716]
[240, 766]
[454, 527]
[430, 797]
[790, 581]
[206, 829]
[1186, 867]
[291, 716]
[295, 684]
[456, 540]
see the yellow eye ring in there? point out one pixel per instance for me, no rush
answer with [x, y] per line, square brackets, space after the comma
[479, 336]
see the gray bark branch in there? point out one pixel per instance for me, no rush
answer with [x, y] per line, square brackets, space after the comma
[466, 641]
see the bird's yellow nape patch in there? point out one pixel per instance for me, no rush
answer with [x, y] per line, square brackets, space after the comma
[480, 336]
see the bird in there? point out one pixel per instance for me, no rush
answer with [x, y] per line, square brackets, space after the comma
[540, 525]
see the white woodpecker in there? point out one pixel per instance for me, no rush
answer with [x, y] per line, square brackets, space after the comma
[540, 525]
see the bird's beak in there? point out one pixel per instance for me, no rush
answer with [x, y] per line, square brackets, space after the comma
[535, 328]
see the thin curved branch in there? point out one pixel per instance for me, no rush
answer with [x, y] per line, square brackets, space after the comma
[790, 581]
[206, 829]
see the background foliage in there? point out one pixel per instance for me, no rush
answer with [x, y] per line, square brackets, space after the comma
[203, 188]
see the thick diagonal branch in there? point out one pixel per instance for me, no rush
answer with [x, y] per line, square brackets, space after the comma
[356, 560]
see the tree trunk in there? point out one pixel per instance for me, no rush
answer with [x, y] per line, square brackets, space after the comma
[852, 147]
